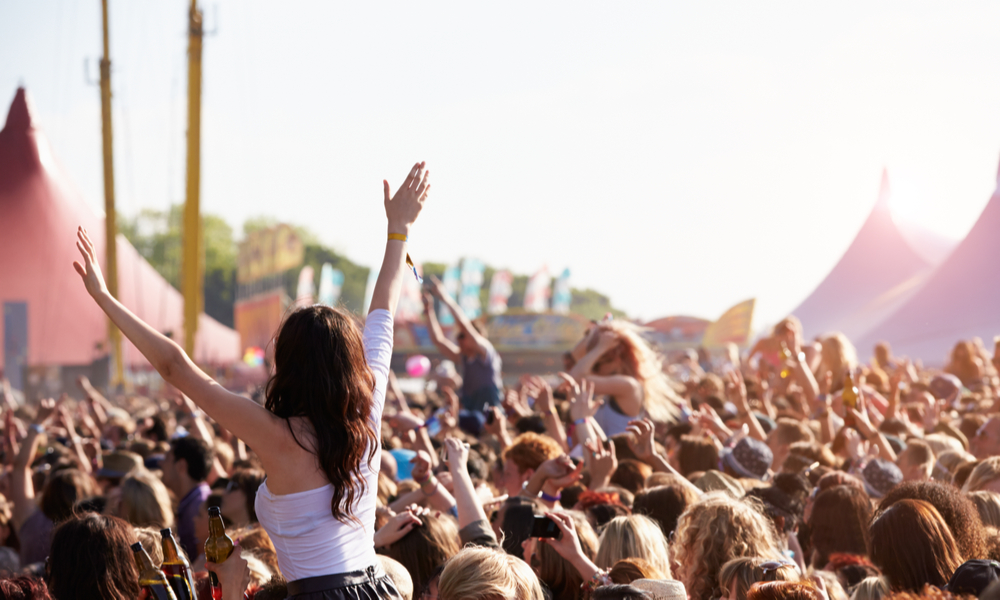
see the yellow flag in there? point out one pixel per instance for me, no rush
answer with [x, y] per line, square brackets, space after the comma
[732, 327]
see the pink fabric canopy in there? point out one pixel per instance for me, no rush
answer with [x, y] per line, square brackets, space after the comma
[879, 272]
[39, 213]
[960, 300]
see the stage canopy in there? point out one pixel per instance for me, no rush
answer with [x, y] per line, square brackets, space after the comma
[43, 298]
[884, 266]
[960, 300]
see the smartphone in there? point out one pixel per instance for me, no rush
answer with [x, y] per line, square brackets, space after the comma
[490, 416]
[433, 425]
[544, 527]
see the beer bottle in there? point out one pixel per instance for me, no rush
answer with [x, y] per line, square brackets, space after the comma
[150, 578]
[218, 546]
[177, 568]
[850, 398]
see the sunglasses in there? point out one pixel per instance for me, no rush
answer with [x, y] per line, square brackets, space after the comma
[770, 569]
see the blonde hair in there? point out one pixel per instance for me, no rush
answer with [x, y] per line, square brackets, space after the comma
[487, 574]
[151, 542]
[870, 588]
[713, 531]
[745, 571]
[641, 361]
[988, 505]
[145, 501]
[838, 355]
[634, 536]
[985, 472]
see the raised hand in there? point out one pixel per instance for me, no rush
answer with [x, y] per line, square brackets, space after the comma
[582, 404]
[736, 390]
[398, 526]
[602, 463]
[421, 466]
[641, 439]
[90, 270]
[403, 208]
[458, 453]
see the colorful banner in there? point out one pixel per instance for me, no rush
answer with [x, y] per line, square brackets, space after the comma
[472, 282]
[732, 327]
[257, 319]
[268, 252]
[331, 281]
[369, 290]
[410, 306]
[536, 295]
[500, 291]
[562, 294]
[537, 331]
[451, 280]
[305, 291]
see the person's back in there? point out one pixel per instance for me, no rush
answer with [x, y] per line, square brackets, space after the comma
[316, 436]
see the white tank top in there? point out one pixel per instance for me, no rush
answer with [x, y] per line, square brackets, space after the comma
[309, 541]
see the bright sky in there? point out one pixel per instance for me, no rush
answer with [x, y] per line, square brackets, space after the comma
[680, 157]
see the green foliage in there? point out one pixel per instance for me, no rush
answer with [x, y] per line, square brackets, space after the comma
[157, 236]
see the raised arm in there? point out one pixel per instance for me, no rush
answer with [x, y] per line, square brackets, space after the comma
[447, 347]
[463, 322]
[401, 210]
[242, 416]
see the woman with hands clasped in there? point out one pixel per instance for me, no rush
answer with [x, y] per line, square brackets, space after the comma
[317, 434]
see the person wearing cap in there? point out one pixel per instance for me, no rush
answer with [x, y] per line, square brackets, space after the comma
[750, 459]
[880, 476]
[114, 467]
[973, 577]
[185, 468]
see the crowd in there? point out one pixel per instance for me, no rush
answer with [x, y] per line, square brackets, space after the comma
[791, 470]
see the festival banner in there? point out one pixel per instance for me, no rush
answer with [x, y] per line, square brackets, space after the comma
[306, 289]
[500, 291]
[472, 282]
[268, 252]
[451, 280]
[732, 327]
[331, 281]
[562, 294]
[536, 295]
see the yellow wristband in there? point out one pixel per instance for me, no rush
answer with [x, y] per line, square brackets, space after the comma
[398, 236]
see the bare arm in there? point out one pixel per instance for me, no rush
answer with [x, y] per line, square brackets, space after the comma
[470, 509]
[737, 391]
[447, 347]
[401, 211]
[461, 319]
[641, 442]
[22, 488]
[240, 415]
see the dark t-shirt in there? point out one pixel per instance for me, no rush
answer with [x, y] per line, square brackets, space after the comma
[481, 382]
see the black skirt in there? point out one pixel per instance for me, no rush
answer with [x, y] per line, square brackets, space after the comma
[370, 584]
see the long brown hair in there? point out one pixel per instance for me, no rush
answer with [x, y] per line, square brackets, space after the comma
[913, 546]
[839, 523]
[320, 373]
[91, 558]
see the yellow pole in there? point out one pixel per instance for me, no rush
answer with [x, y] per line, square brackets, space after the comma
[110, 226]
[192, 265]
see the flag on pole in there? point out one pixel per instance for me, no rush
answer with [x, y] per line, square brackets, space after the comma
[306, 289]
[451, 281]
[369, 290]
[472, 282]
[500, 291]
[562, 294]
[733, 326]
[331, 281]
[536, 295]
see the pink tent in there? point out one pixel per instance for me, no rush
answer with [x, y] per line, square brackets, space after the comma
[41, 294]
[879, 271]
[960, 300]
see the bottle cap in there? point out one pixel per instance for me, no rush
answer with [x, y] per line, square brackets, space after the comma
[214, 511]
[166, 532]
[136, 547]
